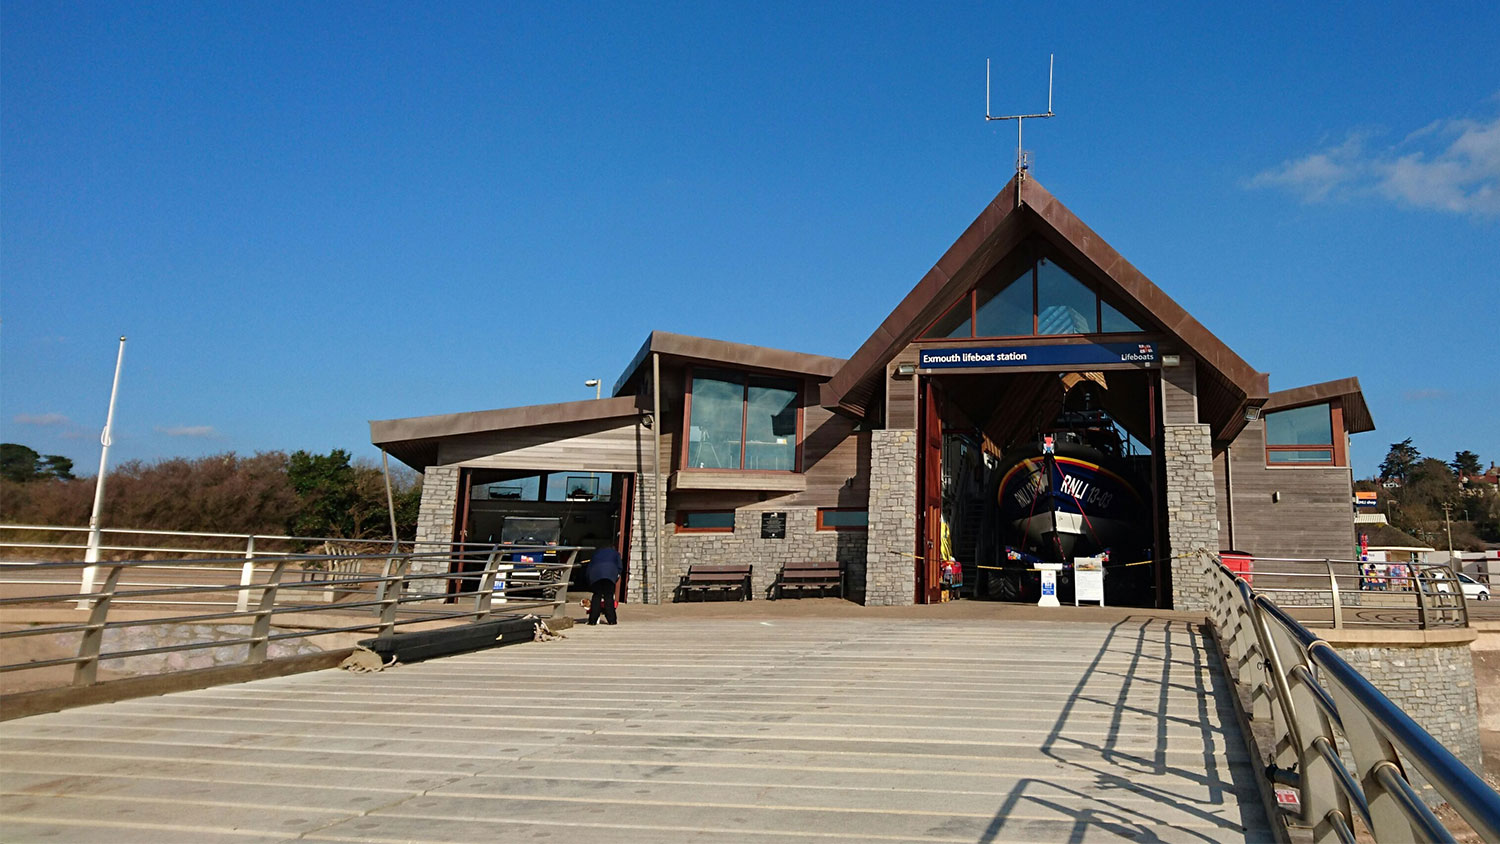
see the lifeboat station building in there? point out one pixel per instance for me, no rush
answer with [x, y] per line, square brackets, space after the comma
[1034, 399]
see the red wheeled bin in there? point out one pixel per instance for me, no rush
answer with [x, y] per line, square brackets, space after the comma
[1240, 563]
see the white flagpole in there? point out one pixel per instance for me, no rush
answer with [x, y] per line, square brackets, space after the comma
[91, 555]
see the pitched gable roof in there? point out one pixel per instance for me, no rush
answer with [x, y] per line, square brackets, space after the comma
[1227, 384]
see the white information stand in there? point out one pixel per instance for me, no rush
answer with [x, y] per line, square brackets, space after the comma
[1088, 580]
[1049, 584]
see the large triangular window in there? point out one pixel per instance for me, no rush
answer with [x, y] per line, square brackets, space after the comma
[952, 324]
[1040, 299]
[1004, 310]
[1064, 305]
[1111, 321]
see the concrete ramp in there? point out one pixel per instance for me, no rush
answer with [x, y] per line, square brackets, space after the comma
[785, 730]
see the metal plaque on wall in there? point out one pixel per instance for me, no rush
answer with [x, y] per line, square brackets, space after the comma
[773, 525]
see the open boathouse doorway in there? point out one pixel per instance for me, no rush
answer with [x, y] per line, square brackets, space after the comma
[1039, 434]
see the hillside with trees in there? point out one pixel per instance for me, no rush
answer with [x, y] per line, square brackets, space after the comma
[1412, 490]
[297, 494]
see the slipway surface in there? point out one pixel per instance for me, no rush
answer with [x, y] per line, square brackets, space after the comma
[704, 729]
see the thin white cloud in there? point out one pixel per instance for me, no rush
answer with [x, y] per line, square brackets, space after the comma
[200, 431]
[1448, 165]
[43, 420]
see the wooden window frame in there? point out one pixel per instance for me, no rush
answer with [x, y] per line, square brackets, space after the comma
[1037, 255]
[1337, 450]
[745, 378]
[680, 522]
[864, 528]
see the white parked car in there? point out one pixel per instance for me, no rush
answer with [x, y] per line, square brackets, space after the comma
[1473, 589]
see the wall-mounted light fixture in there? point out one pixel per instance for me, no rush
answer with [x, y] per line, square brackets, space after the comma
[1276, 497]
[906, 370]
[1252, 413]
[1171, 360]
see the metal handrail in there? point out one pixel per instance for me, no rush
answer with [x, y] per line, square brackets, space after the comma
[242, 541]
[395, 596]
[1312, 696]
[1421, 595]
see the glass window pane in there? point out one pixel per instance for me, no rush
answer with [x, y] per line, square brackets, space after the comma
[1111, 320]
[716, 420]
[709, 520]
[524, 489]
[1300, 456]
[1309, 425]
[771, 428]
[1064, 305]
[953, 323]
[845, 518]
[1004, 310]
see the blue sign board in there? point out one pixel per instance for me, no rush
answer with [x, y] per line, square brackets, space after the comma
[1049, 587]
[1078, 354]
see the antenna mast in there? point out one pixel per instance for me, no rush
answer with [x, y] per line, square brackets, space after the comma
[1023, 162]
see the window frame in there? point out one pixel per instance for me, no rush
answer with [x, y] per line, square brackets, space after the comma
[799, 386]
[864, 528]
[680, 522]
[1337, 450]
[1035, 257]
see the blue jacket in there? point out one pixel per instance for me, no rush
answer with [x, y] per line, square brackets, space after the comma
[604, 566]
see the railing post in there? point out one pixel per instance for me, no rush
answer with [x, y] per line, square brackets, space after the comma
[1284, 718]
[1422, 583]
[86, 672]
[1371, 750]
[1254, 671]
[389, 603]
[385, 570]
[1320, 789]
[385, 575]
[247, 576]
[485, 595]
[1333, 589]
[560, 595]
[260, 631]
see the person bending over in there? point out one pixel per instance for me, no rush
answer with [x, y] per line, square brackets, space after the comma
[602, 572]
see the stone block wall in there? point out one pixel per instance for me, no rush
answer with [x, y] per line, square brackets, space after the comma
[1192, 511]
[435, 518]
[889, 567]
[641, 559]
[1434, 684]
[803, 543]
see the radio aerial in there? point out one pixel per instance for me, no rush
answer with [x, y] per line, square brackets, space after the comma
[1023, 161]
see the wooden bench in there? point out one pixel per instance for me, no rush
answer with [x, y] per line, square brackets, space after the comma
[800, 576]
[706, 579]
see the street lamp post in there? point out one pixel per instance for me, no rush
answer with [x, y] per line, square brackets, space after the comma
[593, 382]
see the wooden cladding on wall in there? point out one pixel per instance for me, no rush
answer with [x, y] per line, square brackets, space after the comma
[592, 446]
[1179, 393]
[901, 393]
[1314, 517]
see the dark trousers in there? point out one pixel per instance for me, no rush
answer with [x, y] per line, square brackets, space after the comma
[603, 601]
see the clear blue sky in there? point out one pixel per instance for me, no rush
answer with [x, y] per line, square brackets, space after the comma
[309, 215]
